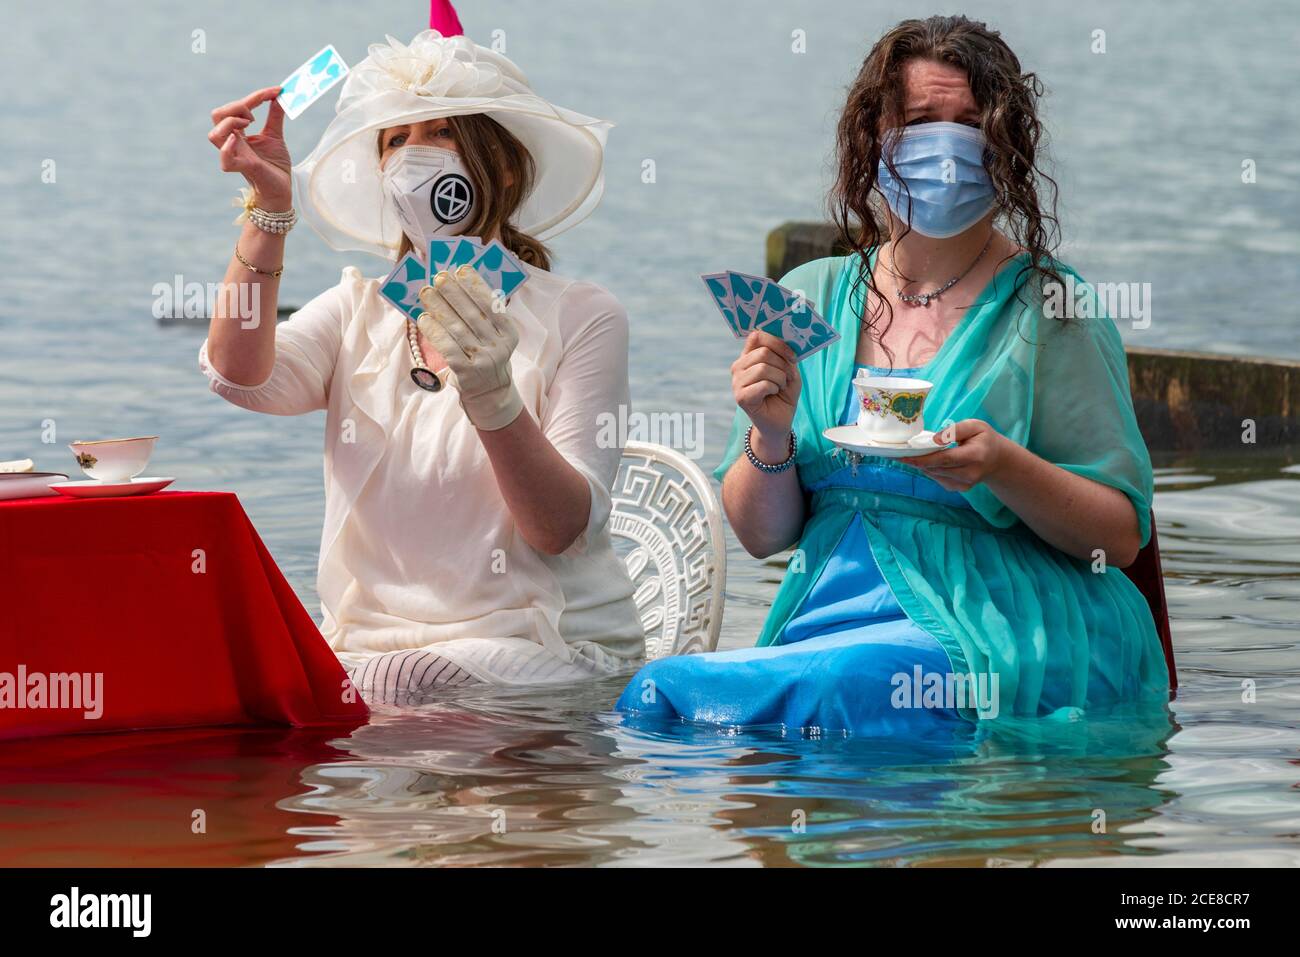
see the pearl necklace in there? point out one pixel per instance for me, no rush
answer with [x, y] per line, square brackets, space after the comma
[421, 375]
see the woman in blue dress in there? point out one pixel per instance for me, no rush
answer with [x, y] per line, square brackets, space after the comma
[977, 581]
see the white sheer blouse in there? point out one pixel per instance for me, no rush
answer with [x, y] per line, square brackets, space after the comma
[418, 546]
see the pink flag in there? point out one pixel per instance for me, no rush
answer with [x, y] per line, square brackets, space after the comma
[442, 17]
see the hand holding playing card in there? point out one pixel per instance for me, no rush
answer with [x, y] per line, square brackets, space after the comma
[262, 158]
[465, 323]
[765, 381]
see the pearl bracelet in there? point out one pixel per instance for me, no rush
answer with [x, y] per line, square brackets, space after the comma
[271, 222]
[763, 466]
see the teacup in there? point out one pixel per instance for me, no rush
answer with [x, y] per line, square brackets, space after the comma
[114, 460]
[890, 407]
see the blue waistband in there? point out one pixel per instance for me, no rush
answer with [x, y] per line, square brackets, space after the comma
[871, 503]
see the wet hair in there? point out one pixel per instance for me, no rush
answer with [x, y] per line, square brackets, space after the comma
[1007, 98]
[494, 155]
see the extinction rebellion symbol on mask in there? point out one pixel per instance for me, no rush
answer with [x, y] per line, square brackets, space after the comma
[451, 198]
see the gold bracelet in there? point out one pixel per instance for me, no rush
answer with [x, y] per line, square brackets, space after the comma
[252, 268]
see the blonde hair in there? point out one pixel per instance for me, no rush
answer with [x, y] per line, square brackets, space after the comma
[495, 156]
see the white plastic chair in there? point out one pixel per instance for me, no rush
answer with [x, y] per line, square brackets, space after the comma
[667, 524]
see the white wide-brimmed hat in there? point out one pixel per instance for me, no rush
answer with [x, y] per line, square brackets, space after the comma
[338, 186]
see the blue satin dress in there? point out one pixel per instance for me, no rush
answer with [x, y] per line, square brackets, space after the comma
[837, 664]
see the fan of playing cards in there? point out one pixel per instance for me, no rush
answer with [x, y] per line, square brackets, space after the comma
[502, 272]
[754, 302]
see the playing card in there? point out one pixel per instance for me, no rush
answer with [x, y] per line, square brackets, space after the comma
[448, 252]
[748, 292]
[402, 287]
[737, 297]
[792, 318]
[776, 300]
[720, 289]
[308, 83]
[500, 270]
[440, 251]
[466, 250]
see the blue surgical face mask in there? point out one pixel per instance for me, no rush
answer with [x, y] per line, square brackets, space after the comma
[942, 165]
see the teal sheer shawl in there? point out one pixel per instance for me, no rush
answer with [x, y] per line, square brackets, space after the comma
[1051, 631]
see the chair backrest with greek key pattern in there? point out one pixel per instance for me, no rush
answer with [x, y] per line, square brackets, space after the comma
[667, 524]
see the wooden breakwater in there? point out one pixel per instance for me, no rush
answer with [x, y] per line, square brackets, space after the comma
[1184, 400]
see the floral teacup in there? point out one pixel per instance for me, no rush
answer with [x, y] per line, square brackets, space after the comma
[890, 407]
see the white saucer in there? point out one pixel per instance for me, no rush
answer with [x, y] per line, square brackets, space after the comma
[853, 439]
[94, 488]
[28, 484]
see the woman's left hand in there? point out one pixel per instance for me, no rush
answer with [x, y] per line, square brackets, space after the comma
[466, 325]
[979, 455]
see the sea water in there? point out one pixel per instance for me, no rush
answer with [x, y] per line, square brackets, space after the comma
[721, 134]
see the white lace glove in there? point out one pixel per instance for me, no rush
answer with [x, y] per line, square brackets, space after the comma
[477, 343]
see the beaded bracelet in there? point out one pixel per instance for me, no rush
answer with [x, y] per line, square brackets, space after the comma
[763, 466]
[270, 222]
[276, 221]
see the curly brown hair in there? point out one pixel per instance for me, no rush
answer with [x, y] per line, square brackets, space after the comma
[1008, 102]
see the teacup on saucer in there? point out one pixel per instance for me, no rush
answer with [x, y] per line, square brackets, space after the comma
[114, 460]
[890, 407]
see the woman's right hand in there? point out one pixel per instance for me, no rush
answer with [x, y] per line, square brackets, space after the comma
[262, 158]
[765, 381]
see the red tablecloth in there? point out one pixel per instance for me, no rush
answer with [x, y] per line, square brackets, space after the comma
[109, 586]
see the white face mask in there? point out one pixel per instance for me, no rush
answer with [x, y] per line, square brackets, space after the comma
[431, 191]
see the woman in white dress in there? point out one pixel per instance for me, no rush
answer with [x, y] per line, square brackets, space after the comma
[466, 487]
